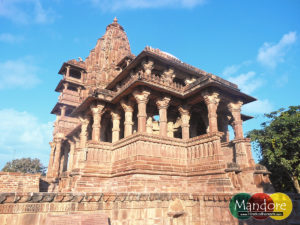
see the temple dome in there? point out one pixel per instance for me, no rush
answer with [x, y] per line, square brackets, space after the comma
[110, 49]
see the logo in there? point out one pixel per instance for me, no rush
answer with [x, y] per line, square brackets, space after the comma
[278, 206]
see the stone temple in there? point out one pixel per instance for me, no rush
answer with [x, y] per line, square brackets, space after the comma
[146, 123]
[141, 140]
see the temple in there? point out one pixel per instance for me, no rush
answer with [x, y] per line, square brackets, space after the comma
[140, 140]
[147, 123]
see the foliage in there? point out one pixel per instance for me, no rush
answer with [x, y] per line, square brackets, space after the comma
[25, 165]
[278, 143]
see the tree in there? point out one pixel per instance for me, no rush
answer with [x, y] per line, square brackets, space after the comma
[278, 143]
[25, 165]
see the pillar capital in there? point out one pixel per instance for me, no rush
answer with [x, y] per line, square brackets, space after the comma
[163, 102]
[128, 106]
[235, 106]
[84, 120]
[184, 109]
[211, 97]
[115, 114]
[148, 66]
[97, 108]
[141, 96]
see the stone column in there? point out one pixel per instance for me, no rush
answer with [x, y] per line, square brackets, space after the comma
[63, 110]
[235, 109]
[162, 105]
[212, 101]
[57, 157]
[115, 115]
[83, 135]
[71, 155]
[79, 92]
[185, 120]
[97, 111]
[68, 71]
[51, 160]
[128, 109]
[65, 161]
[75, 158]
[142, 98]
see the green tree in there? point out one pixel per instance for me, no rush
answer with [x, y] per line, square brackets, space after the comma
[278, 143]
[25, 165]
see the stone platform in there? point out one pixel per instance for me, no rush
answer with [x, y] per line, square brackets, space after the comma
[124, 208]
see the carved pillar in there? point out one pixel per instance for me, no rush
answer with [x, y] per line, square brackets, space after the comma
[97, 112]
[162, 105]
[212, 101]
[57, 157]
[68, 71]
[115, 115]
[185, 120]
[65, 159]
[128, 109]
[79, 91]
[149, 125]
[71, 155]
[142, 98]
[63, 110]
[84, 134]
[235, 109]
[75, 157]
[51, 160]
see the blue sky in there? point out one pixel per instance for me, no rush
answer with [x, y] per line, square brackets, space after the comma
[252, 43]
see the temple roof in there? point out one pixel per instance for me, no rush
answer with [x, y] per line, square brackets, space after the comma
[110, 49]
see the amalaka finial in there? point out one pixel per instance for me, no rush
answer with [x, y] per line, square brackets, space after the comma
[115, 20]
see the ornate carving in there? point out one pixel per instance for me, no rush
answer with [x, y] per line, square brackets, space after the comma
[98, 108]
[189, 80]
[128, 106]
[235, 106]
[148, 66]
[211, 98]
[163, 102]
[115, 114]
[141, 96]
[169, 75]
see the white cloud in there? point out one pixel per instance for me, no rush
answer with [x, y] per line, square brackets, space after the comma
[258, 107]
[247, 82]
[271, 54]
[23, 135]
[113, 5]
[19, 73]
[25, 11]
[230, 70]
[10, 38]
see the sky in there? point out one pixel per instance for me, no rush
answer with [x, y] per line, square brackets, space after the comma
[254, 44]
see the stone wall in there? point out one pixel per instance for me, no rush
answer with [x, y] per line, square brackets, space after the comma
[19, 182]
[127, 208]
